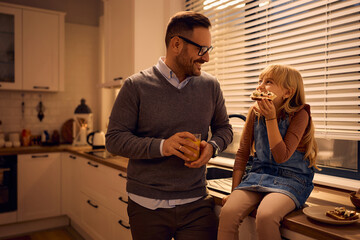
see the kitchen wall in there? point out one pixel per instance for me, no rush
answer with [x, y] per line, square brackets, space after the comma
[82, 72]
[152, 27]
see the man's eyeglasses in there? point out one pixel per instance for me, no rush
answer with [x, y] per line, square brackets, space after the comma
[202, 49]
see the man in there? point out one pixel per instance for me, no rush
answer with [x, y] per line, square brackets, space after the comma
[152, 123]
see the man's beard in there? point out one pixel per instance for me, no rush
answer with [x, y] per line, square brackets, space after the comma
[186, 64]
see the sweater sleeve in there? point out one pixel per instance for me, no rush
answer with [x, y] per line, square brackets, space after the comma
[284, 149]
[247, 136]
[121, 138]
[221, 129]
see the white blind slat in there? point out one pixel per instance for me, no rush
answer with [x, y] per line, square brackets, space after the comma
[320, 38]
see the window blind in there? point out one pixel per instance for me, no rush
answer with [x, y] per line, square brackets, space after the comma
[320, 38]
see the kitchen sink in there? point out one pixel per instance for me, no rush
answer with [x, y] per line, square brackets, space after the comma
[219, 179]
[101, 154]
[216, 173]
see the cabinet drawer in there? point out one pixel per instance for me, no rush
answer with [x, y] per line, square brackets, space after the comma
[96, 175]
[92, 180]
[120, 228]
[117, 179]
[95, 218]
[118, 203]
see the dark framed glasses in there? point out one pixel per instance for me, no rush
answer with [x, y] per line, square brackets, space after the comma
[202, 49]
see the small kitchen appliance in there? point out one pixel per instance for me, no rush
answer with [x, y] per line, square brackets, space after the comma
[82, 124]
[96, 140]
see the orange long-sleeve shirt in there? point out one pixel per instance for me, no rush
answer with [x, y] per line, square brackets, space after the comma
[284, 149]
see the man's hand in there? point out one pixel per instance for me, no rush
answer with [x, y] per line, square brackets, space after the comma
[175, 145]
[206, 152]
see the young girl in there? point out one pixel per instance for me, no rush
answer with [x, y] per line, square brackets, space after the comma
[280, 177]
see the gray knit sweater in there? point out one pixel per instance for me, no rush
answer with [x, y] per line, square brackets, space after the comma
[149, 109]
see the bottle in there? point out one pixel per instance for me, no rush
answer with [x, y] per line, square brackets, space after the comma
[25, 137]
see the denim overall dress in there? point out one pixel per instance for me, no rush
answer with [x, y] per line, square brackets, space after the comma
[292, 178]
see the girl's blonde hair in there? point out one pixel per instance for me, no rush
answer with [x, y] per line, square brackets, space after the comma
[289, 78]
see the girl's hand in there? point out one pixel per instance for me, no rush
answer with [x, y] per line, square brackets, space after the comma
[224, 200]
[266, 108]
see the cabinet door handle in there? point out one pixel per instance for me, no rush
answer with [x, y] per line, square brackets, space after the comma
[39, 156]
[91, 204]
[121, 199]
[73, 157]
[93, 165]
[41, 87]
[120, 174]
[121, 223]
[118, 78]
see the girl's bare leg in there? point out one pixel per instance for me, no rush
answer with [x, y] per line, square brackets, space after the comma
[271, 211]
[238, 206]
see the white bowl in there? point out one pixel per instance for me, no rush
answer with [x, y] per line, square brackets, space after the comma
[8, 144]
[16, 144]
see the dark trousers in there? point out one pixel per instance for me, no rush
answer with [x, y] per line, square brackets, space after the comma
[192, 221]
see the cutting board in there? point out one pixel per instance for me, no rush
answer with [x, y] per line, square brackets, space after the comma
[67, 131]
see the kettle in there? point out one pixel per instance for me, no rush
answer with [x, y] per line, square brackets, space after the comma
[96, 139]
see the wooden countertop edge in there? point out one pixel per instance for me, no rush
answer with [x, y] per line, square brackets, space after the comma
[294, 226]
[31, 150]
[296, 221]
[118, 162]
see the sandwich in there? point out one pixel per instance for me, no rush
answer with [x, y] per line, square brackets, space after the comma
[340, 213]
[257, 95]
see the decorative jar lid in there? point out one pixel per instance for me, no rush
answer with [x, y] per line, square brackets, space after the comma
[82, 108]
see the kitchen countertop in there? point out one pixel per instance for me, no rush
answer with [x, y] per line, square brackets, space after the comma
[295, 221]
[116, 162]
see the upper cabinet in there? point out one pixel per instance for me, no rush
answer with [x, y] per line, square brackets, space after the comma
[10, 48]
[37, 47]
[118, 41]
[43, 47]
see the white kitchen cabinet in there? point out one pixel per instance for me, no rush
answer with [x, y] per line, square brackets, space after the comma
[118, 39]
[117, 200]
[37, 59]
[70, 186]
[103, 191]
[39, 184]
[43, 40]
[95, 218]
[120, 228]
[92, 179]
[10, 48]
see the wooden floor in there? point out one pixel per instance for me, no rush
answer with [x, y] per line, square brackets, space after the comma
[66, 233]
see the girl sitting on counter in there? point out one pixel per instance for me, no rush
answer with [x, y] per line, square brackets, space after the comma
[280, 176]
